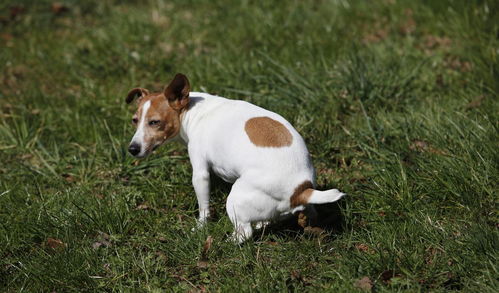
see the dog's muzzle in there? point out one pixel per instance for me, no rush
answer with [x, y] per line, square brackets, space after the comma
[134, 149]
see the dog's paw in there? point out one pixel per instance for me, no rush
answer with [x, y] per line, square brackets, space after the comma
[236, 238]
[200, 224]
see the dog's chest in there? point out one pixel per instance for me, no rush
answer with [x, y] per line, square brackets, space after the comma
[226, 174]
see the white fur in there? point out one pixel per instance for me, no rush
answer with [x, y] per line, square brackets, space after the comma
[264, 177]
[138, 137]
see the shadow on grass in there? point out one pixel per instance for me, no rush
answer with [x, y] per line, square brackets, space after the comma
[330, 219]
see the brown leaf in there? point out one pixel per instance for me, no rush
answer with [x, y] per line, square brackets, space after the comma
[433, 42]
[55, 243]
[418, 145]
[297, 276]
[409, 25]
[202, 264]
[6, 37]
[59, 8]
[364, 284]
[69, 178]
[161, 255]
[375, 32]
[103, 240]
[143, 206]
[206, 247]
[475, 103]
[203, 259]
[363, 247]
[423, 146]
[107, 267]
[313, 231]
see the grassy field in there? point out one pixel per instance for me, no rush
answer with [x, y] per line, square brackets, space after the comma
[397, 101]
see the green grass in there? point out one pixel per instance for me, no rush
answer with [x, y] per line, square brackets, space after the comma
[397, 101]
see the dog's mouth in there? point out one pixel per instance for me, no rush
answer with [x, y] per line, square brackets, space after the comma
[151, 149]
[147, 151]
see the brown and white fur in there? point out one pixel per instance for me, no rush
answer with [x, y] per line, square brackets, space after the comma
[257, 150]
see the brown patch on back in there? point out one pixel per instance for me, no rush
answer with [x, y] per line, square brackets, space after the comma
[267, 132]
[301, 194]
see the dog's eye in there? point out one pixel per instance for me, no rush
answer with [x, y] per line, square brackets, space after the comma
[153, 122]
[135, 120]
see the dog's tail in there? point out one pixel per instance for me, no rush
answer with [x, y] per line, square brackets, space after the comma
[304, 195]
[325, 196]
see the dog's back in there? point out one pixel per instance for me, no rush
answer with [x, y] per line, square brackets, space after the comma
[241, 140]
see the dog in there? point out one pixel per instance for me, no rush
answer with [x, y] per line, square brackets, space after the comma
[257, 150]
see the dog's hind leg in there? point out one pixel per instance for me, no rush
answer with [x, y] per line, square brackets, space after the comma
[246, 205]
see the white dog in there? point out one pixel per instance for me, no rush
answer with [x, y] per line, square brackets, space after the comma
[257, 150]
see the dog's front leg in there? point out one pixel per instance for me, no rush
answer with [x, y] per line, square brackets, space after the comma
[201, 183]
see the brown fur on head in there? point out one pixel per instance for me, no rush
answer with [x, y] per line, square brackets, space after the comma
[157, 118]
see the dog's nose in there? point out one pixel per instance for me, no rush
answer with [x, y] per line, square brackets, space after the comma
[134, 149]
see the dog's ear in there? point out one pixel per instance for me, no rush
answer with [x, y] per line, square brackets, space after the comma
[177, 92]
[136, 92]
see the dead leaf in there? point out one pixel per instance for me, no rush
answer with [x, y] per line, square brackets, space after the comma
[456, 64]
[103, 240]
[206, 247]
[68, 177]
[363, 247]
[375, 37]
[55, 243]
[6, 37]
[418, 145]
[161, 255]
[202, 264]
[143, 206]
[477, 102]
[59, 8]
[424, 146]
[376, 32]
[364, 284]
[316, 231]
[203, 259]
[297, 276]
[27, 157]
[107, 267]
[159, 19]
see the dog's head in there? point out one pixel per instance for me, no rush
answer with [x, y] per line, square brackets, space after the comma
[157, 118]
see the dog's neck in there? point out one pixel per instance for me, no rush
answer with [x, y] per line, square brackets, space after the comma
[200, 105]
